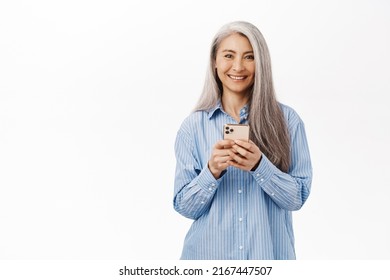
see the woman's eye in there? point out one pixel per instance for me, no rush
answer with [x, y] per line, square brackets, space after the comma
[228, 55]
[251, 57]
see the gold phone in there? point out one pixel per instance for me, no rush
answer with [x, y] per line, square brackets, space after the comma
[236, 132]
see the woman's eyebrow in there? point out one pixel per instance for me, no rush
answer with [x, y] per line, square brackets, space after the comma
[227, 50]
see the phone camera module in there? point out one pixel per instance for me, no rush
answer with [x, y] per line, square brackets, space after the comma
[228, 130]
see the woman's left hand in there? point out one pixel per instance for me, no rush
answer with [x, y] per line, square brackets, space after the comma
[245, 155]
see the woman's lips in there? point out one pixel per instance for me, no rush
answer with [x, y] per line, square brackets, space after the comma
[237, 78]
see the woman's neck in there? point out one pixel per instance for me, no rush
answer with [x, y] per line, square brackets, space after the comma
[233, 103]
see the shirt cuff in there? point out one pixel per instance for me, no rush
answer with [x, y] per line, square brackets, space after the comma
[264, 171]
[207, 182]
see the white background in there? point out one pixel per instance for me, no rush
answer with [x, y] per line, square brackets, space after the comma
[92, 94]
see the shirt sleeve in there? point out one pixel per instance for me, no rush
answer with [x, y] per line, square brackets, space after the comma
[288, 190]
[195, 186]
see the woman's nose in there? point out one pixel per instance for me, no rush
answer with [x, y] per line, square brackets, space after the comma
[238, 65]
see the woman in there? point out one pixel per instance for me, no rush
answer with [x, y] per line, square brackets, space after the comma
[240, 194]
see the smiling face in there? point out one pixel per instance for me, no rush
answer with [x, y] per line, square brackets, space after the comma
[235, 64]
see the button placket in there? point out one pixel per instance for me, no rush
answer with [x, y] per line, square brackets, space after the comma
[240, 221]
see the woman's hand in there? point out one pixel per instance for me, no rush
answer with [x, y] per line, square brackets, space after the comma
[245, 155]
[220, 157]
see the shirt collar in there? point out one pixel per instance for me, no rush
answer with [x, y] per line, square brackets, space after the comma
[218, 107]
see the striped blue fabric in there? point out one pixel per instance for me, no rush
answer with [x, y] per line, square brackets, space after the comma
[242, 215]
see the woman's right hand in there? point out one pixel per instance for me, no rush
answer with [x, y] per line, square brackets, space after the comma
[218, 161]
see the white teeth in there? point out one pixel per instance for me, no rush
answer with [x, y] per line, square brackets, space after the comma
[237, 77]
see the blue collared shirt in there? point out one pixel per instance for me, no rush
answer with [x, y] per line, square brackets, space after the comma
[243, 214]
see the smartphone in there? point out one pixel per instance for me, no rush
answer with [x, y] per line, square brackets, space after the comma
[236, 132]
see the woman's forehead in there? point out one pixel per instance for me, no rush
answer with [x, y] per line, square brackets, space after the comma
[235, 42]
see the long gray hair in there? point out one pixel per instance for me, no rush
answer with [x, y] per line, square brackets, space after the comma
[266, 120]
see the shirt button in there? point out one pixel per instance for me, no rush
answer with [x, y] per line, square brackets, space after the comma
[257, 174]
[210, 189]
[241, 247]
[213, 185]
[240, 219]
[202, 202]
[272, 194]
[239, 191]
[261, 180]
